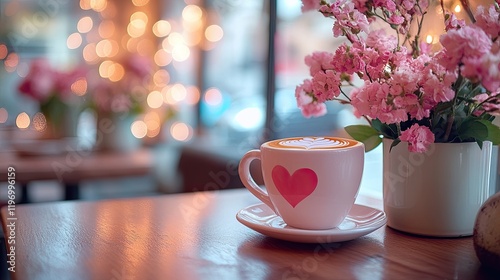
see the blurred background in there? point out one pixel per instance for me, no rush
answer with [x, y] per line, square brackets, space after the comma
[195, 82]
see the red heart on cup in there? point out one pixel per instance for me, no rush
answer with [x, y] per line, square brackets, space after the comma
[297, 187]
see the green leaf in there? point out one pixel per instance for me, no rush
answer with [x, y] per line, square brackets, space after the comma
[473, 129]
[365, 134]
[493, 132]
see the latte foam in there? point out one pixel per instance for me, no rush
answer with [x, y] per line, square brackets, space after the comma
[311, 143]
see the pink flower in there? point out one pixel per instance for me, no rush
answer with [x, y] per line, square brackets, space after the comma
[325, 85]
[310, 5]
[485, 69]
[318, 62]
[40, 82]
[375, 101]
[465, 42]
[488, 20]
[346, 61]
[308, 106]
[418, 137]
[452, 22]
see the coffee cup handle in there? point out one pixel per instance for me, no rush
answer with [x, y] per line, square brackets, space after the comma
[248, 181]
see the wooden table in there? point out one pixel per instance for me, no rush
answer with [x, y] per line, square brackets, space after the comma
[196, 236]
[73, 167]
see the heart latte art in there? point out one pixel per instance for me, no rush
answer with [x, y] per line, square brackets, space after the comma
[311, 143]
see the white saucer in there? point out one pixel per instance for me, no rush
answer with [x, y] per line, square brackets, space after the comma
[360, 221]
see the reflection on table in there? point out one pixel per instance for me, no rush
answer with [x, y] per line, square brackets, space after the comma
[196, 236]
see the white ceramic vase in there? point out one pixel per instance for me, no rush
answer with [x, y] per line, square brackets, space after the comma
[437, 193]
[114, 133]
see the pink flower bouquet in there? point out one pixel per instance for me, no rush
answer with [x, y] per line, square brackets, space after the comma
[407, 92]
[56, 92]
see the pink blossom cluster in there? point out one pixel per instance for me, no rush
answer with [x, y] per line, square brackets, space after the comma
[44, 81]
[402, 84]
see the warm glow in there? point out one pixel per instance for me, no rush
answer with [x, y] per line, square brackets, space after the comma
[162, 58]
[161, 78]
[107, 48]
[23, 120]
[155, 99]
[74, 41]
[458, 9]
[180, 53]
[145, 47]
[4, 115]
[174, 39]
[85, 24]
[139, 129]
[140, 3]
[85, 4]
[39, 122]
[11, 62]
[89, 53]
[79, 87]
[116, 72]
[139, 16]
[137, 25]
[152, 120]
[178, 92]
[181, 131]
[192, 13]
[3, 51]
[162, 28]
[213, 97]
[214, 33]
[136, 28]
[193, 95]
[193, 39]
[153, 132]
[106, 28]
[167, 96]
[429, 39]
[104, 68]
[98, 5]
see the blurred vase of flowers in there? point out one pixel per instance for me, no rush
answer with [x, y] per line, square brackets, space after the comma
[59, 95]
[118, 102]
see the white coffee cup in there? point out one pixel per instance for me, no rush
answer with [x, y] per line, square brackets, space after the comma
[311, 182]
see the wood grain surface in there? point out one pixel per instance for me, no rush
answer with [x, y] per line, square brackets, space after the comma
[196, 236]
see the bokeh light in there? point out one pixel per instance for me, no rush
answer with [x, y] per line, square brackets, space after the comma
[106, 29]
[140, 3]
[192, 13]
[39, 122]
[161, 78]
[161, 28]
[85, 24]
[11, 62]
[23, 120]
[181, 131]
[180, 53]
[155, 99]
[4, 115]
[74, 41]
[214, 33]
[79, 87]
[162, 58]
[3, 51]
[139, 129]
[193, 95]
[213, 97]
